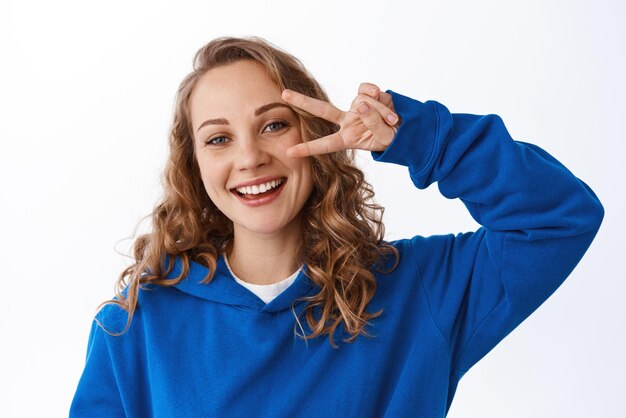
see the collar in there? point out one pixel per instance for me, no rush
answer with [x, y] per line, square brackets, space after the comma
[224, 289]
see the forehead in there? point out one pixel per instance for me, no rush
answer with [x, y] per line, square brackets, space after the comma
[228, 90]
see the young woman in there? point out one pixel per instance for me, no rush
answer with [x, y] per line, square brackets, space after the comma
[266, 288]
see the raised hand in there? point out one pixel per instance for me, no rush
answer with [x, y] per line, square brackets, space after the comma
[369, 125]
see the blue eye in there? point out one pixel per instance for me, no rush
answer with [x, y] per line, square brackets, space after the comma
[279, 123]
[272, 127]
[216, 141]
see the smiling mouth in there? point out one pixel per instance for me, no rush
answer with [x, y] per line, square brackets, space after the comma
[253, 196]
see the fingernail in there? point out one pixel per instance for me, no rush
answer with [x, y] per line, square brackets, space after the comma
[392, 118]
[363, 108]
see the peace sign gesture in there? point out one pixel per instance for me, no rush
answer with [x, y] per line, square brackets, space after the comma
[370, 124]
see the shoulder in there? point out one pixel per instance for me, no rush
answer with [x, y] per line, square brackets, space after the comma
[114, 318]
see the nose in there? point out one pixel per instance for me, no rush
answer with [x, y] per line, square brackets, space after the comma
[251, 153]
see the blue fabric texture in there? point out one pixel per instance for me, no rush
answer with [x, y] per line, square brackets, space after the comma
[217, 350]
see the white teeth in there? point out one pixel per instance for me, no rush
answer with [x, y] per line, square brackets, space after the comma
[259, 188]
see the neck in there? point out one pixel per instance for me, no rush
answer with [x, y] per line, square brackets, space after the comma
[266, 258]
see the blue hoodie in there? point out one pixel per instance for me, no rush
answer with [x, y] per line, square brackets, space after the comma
[218, 350]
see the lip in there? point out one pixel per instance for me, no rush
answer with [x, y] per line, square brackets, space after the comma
[264, 200]
[260, 180]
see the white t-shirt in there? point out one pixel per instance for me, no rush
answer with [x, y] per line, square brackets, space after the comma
[266, 292]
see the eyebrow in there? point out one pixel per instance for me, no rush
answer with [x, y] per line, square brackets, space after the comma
[260, 110]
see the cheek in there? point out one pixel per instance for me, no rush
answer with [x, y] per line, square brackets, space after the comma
[213, 177]
[307, 174]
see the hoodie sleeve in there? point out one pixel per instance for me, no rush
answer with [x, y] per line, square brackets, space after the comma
[537, 220]
[98, 393]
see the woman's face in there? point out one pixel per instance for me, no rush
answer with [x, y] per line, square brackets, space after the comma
[242, 130]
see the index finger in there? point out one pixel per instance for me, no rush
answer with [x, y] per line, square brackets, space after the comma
[315, 107]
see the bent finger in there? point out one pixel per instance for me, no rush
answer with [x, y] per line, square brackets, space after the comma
[374, 91]
[385, 98]
[373, 120]
[382, 132]
[370, 89]
[387, 114]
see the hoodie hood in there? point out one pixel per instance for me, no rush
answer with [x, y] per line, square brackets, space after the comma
[223, 287]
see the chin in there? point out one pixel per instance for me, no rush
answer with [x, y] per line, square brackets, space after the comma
[263, 228]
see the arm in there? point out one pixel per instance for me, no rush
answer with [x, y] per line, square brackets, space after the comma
[537, 218]
[537, 221]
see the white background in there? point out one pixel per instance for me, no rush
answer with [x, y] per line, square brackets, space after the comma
[86, 100]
